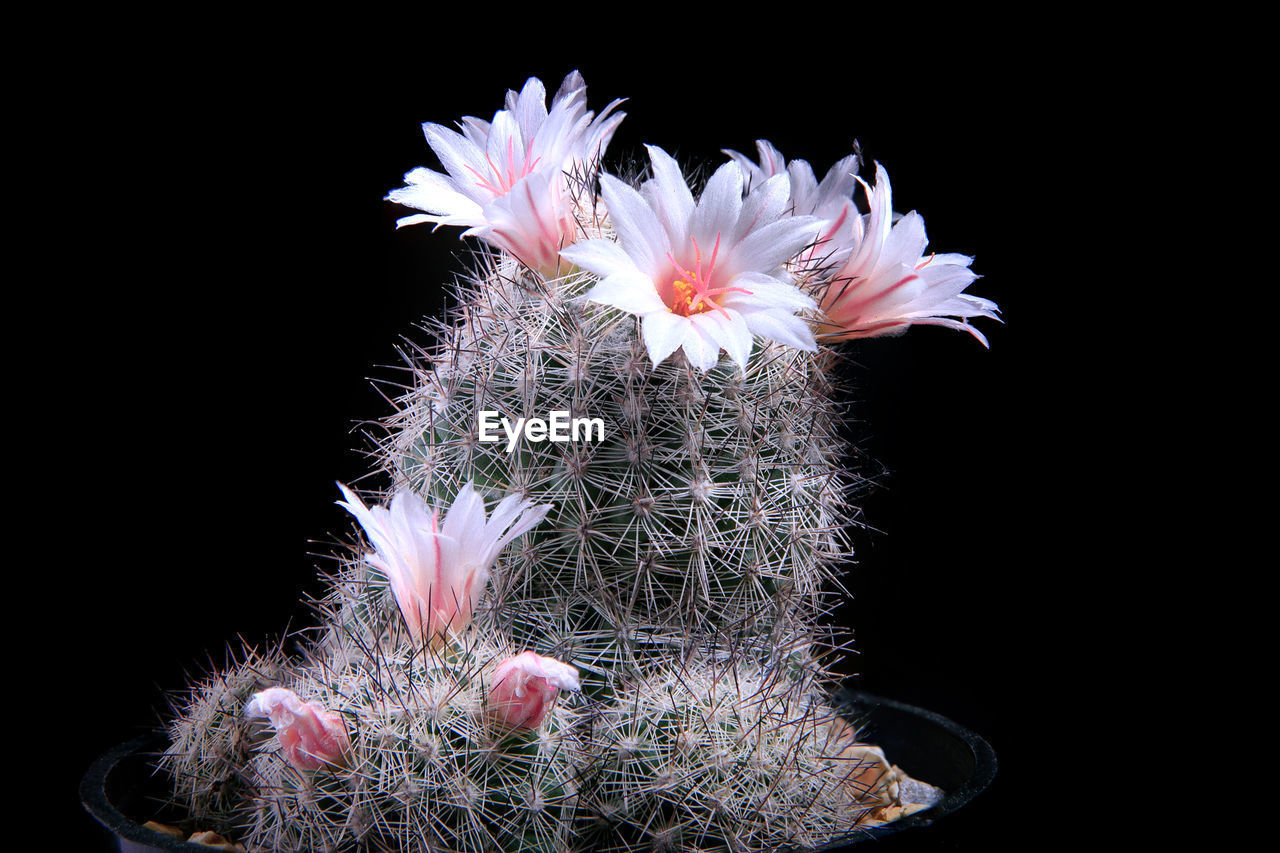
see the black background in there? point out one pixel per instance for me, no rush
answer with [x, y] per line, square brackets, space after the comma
[229, 280]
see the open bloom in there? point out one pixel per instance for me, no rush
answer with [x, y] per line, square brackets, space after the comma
[702, 277]
[439, 572]
[831, 200]
[506, 180]
[310, 736]
[524, 690]
[887, 283]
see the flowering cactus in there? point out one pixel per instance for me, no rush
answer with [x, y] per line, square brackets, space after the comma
[310, 736]
[629, 651]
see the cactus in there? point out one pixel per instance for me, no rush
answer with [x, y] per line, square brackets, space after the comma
[678, 551]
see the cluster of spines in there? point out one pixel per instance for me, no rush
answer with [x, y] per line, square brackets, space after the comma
[716, 503]
[209, 749]
[723, 755]
[426, 768]
[714, 751]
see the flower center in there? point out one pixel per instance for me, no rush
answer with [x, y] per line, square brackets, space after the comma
[683, 296]
[691, 290]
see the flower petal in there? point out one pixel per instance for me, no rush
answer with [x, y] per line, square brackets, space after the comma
[728, 331]
[769, 247]
[602, 257]
[781, 327]
[765, 203]
[529, 108]
[437, 195]
[700, 349]
[886, 285]
[639, 231]
[668, 194]
[664, 333]
[461, 158]
[719, 207]
[629, 291]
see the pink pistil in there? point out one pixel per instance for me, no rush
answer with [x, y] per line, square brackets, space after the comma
[499, 183]
[700, 283]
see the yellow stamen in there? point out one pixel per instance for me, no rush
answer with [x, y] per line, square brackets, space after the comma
[683, 295]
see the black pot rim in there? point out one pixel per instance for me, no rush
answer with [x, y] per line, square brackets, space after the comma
[984, 771]
[94, 797]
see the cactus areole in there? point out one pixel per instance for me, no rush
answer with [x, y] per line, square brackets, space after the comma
[587, 612]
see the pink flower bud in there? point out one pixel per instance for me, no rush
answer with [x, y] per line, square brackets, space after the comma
[525, 688]
[310, 736]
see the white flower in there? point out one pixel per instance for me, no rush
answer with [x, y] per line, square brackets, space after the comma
[438, 572]
[506, 180]
[887, 284]
[830, 201]
[706, 276]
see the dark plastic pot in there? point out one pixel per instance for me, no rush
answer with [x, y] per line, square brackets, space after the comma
[927, 746]
[120, 784]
